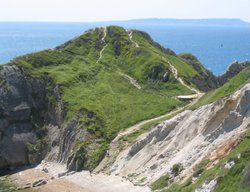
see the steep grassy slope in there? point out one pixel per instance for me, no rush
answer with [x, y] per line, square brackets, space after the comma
[228, 88]
[5, 186]
[92, 73]
[205, 81]
[184, 69]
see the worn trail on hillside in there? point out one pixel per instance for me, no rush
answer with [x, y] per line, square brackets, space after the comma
[131, 80]
[103, 40]
[187, 139]
[114, 150]
[130, 34]
[197, 94]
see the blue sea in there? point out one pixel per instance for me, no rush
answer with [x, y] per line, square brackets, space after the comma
[216, 47]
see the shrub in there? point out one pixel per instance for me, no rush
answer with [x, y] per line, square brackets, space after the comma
[37, 147]
[246, 153]
[160, 183]
[200, 168]
[198, 172]
[236, 170]
[176, 169]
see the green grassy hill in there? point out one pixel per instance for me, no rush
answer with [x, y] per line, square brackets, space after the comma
[94, 72]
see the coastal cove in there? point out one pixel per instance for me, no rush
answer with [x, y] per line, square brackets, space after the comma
[130, 106]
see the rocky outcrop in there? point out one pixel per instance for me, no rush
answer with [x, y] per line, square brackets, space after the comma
[22, 107]
[232, 70]
[208, 186]
[186, 140]
[206, 80]
[31, 126]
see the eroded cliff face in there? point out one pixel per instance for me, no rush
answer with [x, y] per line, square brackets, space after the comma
[22, 112]
[232, 69]
[31, 126]
[208, 132]
[207, 81]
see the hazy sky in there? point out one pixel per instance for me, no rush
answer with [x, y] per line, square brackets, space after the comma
[101, 10]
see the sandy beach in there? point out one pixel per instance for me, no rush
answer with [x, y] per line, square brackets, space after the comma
[53, 178]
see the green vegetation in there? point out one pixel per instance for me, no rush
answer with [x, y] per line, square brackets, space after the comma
[5, 185]
[182, 67]
[98, 88]
[160, 183]
[146, 127]
[194, 62]
[235, 179]
[184, 70]
[37, 147]
[198, 170]
[176, 169]
[228, 88]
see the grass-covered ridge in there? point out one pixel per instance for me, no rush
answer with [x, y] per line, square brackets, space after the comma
[228, 88]
[99, 87]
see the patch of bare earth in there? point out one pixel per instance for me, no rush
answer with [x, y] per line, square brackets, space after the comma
[56, 179]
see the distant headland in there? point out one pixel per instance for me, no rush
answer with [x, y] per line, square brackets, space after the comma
[186, 22]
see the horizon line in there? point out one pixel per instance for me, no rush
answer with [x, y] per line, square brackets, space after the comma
[123, 20]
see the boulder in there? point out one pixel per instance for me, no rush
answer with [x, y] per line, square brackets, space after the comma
[39, 182]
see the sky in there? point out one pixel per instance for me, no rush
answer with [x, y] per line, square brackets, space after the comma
[108, 10]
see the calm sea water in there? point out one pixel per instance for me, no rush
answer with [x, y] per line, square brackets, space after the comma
[205, 42]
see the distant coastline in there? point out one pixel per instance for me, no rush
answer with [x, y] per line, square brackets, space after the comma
[186, 22]
[234, 22]
[198, 22]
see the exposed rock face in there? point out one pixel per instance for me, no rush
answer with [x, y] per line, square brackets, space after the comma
[205, 83]
[28, 118]
[186, 139]
[206, 80]
[232, 69]
[69, 135]
[208, 186]
[21, 98]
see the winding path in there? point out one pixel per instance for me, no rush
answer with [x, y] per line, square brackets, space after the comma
[175, 73]
[114, 145]
[103, 40]
[131, 79]
[197, 94]
[130, 34]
